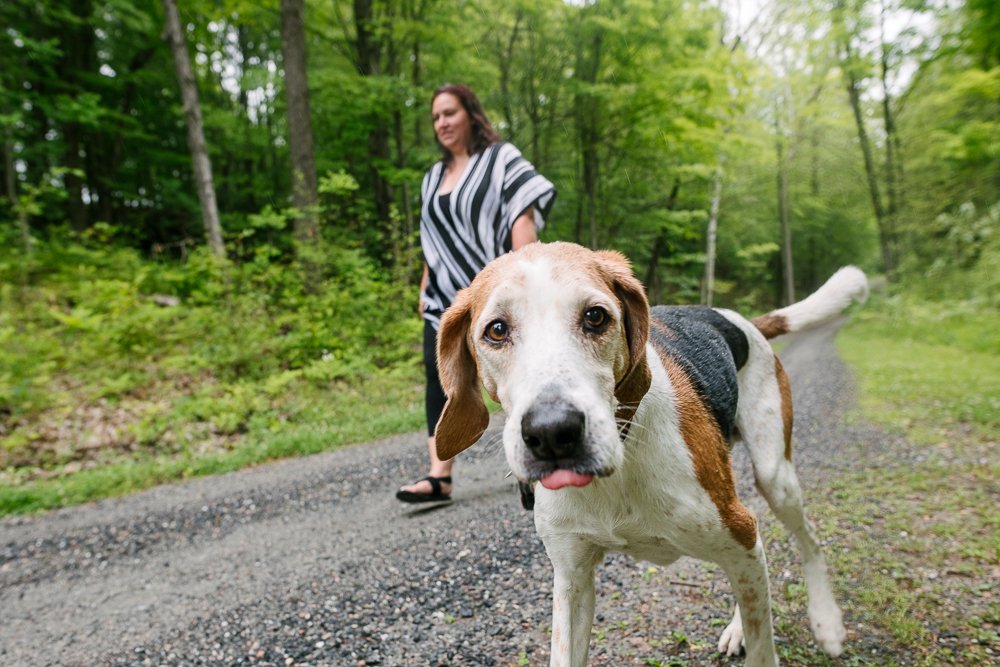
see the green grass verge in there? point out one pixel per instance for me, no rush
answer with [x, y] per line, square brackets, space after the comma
[118, 372]
[913, 538]
[386, 404]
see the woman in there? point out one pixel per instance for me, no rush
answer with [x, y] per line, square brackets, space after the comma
[481, 200]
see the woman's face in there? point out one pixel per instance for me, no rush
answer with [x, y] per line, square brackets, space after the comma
[452, 124]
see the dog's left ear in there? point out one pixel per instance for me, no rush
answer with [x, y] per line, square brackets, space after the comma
[465, 416]
[635, 383]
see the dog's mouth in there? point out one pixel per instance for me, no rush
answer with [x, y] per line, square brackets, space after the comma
[561, 478]
[555, 477]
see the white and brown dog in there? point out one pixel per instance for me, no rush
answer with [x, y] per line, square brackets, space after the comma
[623, 415]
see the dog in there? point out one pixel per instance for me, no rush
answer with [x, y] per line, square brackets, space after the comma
[621, 417]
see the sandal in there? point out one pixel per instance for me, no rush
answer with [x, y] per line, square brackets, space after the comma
[434, 496]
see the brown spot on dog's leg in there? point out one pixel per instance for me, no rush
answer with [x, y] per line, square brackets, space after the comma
[786, 405]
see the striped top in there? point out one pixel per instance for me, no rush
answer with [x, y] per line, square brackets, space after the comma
[460, 232]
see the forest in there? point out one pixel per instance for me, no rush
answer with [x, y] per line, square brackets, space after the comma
[209, 220]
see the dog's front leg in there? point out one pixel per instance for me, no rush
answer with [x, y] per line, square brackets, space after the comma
[573, 562]
[747, 572]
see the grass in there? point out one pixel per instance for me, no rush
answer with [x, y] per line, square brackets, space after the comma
[349, 415]
[105, 390]
[913, 536]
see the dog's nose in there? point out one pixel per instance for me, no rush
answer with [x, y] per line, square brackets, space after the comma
[553, 430]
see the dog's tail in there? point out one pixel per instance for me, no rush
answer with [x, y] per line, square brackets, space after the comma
[846, 285]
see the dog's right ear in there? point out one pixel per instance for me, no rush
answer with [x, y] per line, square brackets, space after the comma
[465, 417]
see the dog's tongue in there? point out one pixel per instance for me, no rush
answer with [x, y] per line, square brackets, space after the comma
[560, 478]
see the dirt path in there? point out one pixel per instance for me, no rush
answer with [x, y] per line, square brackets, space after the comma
[312, 561]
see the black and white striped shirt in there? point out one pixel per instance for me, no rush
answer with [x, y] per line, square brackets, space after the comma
[460, 232]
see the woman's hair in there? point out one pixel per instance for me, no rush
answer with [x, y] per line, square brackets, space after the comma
[483, 133]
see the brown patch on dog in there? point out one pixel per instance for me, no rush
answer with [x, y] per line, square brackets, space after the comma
[633, 385]
[771, 325]
[465, 417]
[710, 456]
[786, 405]
[751, 625]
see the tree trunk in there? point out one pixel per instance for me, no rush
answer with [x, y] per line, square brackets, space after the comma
[659, 245]
[416, 81]
[408, 220]
[78, 62]
[854, 95]
[783, 216]
[105, 176]
[588, 132]
[505, 59]
[10, 189]
[300, 134]
[250, 164]
[200, 162]
[73, 178]
[369, 54]
[891, 138]
[713, 224]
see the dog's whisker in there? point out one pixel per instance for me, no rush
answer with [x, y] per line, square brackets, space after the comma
[631, 424]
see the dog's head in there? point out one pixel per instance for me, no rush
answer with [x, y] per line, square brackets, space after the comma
[556, 333]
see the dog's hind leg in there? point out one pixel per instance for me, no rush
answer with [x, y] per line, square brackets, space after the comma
[573, 562]
[768, 439]
[780, 487]
[731, 639]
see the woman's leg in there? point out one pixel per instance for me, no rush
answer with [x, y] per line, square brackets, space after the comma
[433, 404]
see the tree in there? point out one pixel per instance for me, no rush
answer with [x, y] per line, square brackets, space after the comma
[201, 164]
[711, 236]
[369, 50]
[850, 25]
[587, 118]
[300, 134]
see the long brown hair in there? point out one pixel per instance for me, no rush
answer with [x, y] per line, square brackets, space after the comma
[483, 133]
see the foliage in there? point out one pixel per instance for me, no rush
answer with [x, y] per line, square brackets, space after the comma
[955, 384]
[917, 532]
[108, 357]
[635, 109]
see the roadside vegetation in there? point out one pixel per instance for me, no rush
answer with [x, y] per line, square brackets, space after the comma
[910, 528]
[118, 373]
[913, 534]
[164, 315]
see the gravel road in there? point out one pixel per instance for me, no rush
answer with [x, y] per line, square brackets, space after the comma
[313, 562]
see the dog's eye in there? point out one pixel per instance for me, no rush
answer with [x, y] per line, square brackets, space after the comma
[595, 319]
[497, 332]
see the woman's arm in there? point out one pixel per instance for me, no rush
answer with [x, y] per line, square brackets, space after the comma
[423, 286]
[524, 231]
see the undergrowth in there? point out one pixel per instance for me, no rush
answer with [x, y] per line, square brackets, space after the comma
[118, 372]
[912, 533]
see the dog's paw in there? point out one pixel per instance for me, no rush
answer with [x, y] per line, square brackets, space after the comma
[828, 628]
[830, 636]
[731, 641]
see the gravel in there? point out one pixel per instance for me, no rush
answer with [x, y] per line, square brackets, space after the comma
[313, 562]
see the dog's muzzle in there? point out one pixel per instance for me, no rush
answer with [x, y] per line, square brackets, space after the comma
[555, 444]
[554, 431]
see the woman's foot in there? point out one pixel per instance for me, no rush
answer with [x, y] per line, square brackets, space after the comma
[427, 490]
